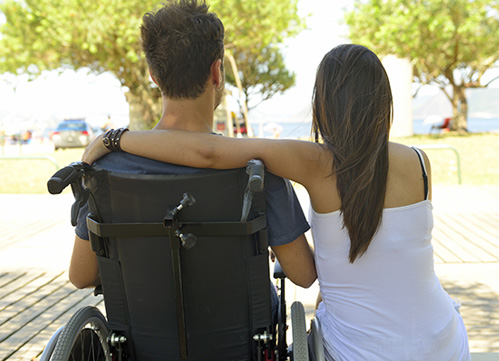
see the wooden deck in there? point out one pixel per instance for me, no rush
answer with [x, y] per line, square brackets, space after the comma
[33, 305]
[36, 297]
[466, 238]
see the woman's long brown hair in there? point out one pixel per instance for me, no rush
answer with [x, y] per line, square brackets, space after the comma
[352, 114]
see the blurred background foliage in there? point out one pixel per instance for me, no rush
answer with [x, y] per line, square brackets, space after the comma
[103, 35]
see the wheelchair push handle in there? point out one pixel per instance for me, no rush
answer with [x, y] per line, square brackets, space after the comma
[71, 175]
[61, 179]
[256, 171]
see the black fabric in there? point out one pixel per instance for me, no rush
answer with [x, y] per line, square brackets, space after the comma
[152, 229]
[112, 287]
[225, 278]
[425, 176]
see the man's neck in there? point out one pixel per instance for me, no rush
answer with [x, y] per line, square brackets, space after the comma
[192, 114]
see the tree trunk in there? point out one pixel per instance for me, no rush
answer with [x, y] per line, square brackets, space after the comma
[249, 130]
[455, 109]
[145, 111]
[459, 110]
[462, 120]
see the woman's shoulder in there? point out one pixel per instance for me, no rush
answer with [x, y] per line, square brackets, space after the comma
[406, 157]
[400, 150]
[405, 182]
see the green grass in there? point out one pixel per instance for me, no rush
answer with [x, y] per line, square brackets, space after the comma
[479, 155]
[31, 176]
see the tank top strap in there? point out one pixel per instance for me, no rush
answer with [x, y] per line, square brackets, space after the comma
[423, 168]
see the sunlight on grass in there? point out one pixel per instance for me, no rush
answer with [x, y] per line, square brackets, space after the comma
[479, 155]
[31, 176]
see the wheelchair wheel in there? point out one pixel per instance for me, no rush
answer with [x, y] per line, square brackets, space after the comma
[317, 340]
[49, 349]
[83, 338]
[299, 331]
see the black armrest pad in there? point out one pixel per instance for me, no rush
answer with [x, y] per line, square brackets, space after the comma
[98, 290]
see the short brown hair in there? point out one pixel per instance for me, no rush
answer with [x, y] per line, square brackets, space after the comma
[181, 40]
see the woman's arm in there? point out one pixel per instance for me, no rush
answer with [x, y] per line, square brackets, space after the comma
[291, 159]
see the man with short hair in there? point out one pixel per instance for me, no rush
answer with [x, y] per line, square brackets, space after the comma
[183, 44]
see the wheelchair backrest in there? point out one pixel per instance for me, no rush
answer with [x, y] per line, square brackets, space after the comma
[223, 298]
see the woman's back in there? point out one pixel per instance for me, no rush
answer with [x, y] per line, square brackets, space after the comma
[405, 184]
[388, 303]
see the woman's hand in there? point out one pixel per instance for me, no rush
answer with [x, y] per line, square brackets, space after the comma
[95, 150]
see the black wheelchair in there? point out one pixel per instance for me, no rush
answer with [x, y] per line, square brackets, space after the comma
[184, 268]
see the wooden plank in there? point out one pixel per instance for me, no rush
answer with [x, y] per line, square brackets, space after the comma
[480, 307]
[484, 356]
[9, 279]
[464, 238]
[19, 330]
[473, 226]
[489, 345]
[16, 319]
[23, 306]
[454, 245]
[3, 274]
[487, 225]
[436, 258]
[33, 347]
[491, 220]
[481, 238]
[27, 230]
[16, 289]
[442, 250]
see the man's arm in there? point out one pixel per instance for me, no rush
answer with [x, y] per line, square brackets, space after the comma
[297, 261]
[83, 269]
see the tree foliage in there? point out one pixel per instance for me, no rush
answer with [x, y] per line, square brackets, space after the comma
[255, 45]
[104, 35]
[451, 43]
[262, 74]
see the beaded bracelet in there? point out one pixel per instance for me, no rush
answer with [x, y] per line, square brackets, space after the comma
[112, 138]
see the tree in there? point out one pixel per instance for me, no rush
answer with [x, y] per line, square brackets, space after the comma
[255, 49]
[256, 45]
[262, 74]
[100, 35]
[451, 43]
[103, 35]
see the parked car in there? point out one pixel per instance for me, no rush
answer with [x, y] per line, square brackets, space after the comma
[72, 133]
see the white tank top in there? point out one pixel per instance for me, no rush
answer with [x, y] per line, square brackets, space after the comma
[388, 304]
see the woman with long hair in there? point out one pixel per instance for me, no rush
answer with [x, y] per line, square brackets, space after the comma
[371, 213]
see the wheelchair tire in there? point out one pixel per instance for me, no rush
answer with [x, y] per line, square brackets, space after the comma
[282, 347]
[318, 343]
[49, 349]
[83, 338]
[299, 332]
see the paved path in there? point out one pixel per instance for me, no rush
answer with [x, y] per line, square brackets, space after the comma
[36, 242]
